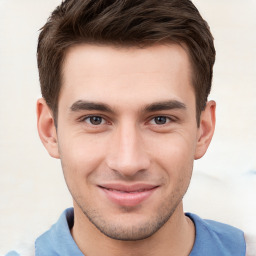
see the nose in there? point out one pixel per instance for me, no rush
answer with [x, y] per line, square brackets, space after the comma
[127, 154]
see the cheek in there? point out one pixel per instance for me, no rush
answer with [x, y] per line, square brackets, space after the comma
[177, 164]
[80, 155]
[175, 154]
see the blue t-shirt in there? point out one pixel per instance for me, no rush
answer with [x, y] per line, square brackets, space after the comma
[212, 238]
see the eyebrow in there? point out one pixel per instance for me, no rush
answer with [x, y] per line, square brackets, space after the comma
[165, 105]
[87, 105]
[156, 106]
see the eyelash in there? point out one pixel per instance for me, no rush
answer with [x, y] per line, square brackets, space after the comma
[167, 120]
[89, 117]
[151, 119]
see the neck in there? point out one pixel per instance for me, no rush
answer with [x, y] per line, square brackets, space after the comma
[175, 237]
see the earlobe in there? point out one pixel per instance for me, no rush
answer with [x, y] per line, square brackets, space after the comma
[206, 129]
[46, 128]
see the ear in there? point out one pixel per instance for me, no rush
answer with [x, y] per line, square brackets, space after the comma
[206, 129]
[46, 128]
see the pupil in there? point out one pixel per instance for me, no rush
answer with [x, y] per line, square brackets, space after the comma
[96, 120]
[160, 120]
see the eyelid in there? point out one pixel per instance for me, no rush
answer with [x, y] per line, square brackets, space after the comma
[83, 119]
[103, 121]
[169, 118]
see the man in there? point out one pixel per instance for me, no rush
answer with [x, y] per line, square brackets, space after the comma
[125, 86]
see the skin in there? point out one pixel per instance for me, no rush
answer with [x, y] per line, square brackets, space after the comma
[128, 116]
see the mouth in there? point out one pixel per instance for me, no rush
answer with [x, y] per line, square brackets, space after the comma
[128, 195]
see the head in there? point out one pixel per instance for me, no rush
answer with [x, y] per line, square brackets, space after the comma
[125, 23]
[125, 86]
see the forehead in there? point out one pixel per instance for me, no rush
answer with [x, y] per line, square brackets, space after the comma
[157, 58]
[108, 73]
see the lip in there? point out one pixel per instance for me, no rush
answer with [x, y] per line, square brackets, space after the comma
[128, 195]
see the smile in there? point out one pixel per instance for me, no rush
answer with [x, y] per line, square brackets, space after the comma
[128, 196]
[120, 191]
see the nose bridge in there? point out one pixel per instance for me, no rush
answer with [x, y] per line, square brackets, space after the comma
[127, 154]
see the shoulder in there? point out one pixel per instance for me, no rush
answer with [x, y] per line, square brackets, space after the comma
[12, 253]
[215, 238]
[28, 250]
[58, 239]
[50, 241]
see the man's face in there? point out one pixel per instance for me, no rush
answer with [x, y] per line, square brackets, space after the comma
[127, 135]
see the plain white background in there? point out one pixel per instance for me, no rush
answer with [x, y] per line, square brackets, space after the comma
[32, 189]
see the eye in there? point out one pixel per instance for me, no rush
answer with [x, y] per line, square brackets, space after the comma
[160, 120]
[94, 120]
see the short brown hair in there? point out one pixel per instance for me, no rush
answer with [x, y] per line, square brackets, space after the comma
[124, 23]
